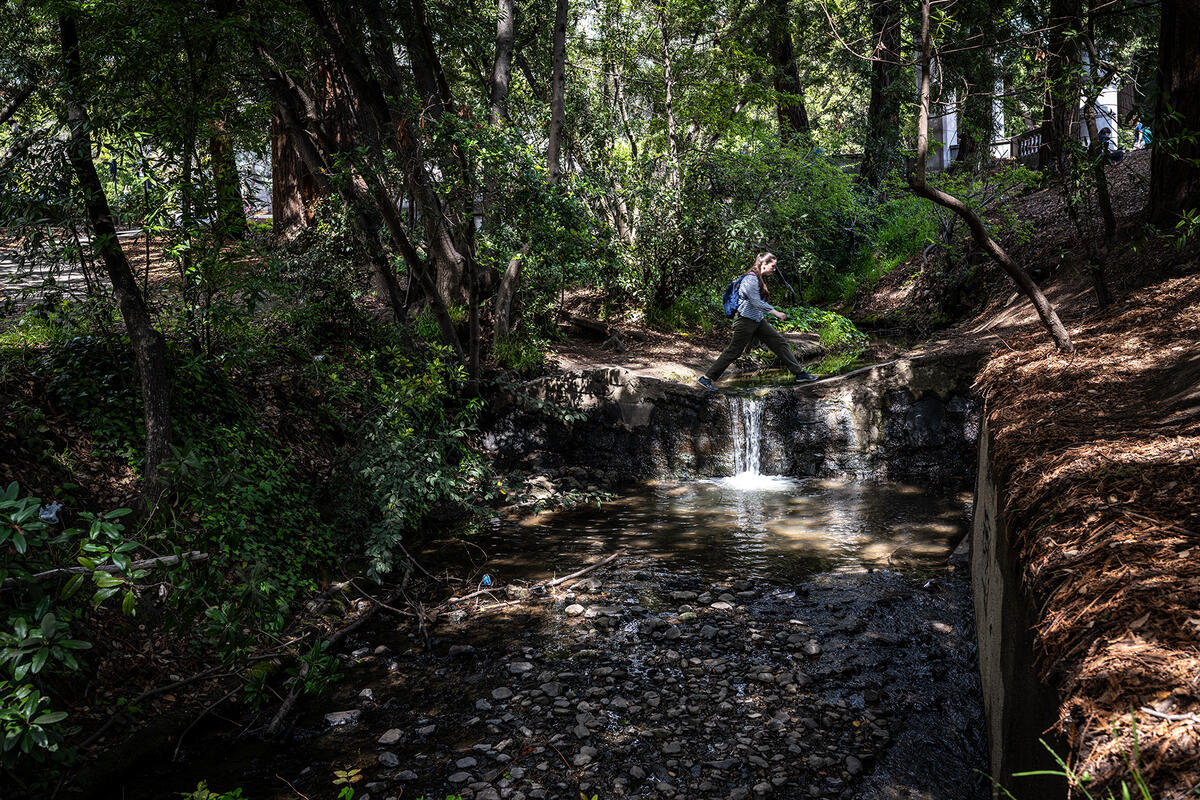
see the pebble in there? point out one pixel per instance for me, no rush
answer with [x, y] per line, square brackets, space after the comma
[335, 718]
[703, 692]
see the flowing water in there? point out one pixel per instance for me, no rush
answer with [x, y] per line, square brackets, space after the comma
[835, 590]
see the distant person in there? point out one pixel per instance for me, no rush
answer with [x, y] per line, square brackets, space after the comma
[1141, 136]
[749, 323]
[1114, 154]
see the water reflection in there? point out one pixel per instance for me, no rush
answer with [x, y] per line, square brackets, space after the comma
[750, 525]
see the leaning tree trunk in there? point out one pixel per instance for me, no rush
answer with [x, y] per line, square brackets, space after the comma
[558, 94]
[148, 345]
[789, 94]
[919, 186]
[1175, 162]
[883, 109]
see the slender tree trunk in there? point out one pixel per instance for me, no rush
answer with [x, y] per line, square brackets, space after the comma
[919, 186]
[1175, 159]
[978, 125]
[148, 344]
[506, 24]
[14, 104]
[883, 110]
[1063, 89]
[668, 86]
[789, 93]
[231, 205]
[558, 94]
[623, 110]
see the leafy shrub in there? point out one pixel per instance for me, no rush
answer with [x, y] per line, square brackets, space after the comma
[522, 352]
[698, 233]
[36, 641]
[696, 310]
[415, 452]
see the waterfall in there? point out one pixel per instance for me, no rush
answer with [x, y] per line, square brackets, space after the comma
[747, 415]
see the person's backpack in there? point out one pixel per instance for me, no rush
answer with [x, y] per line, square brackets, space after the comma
[729, 300]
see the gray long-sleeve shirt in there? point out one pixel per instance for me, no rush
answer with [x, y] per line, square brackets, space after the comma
[750, 303]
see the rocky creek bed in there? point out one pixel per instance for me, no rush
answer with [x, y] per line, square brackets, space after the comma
[645, 682]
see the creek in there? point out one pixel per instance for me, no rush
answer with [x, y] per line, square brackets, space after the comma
[760, 636]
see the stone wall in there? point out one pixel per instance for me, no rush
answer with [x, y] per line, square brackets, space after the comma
[913, 420]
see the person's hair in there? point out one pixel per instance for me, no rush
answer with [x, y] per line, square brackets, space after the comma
[759, 261]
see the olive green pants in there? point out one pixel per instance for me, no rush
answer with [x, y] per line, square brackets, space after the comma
[744, 331]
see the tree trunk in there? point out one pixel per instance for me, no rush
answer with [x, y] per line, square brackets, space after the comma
[883, 111]
[231, 205]
[14, 104]
[506, 24]
[789, 94]
[1175, 160]
[558, 94]
[1062, 76]
[504, 295]
[668, 86]
[978, 126]
[919, 186]
[148, 345]
[293, 188]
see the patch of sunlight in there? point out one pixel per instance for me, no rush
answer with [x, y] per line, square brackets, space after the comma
[753, 482]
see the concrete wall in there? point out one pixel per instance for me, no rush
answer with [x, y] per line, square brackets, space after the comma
[1018, 707]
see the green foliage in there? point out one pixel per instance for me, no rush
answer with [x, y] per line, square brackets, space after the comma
[836, 333]
[415, 451]
[728, 205]
[36, 641]
[522, 352]
[696, 310]
[204, 793]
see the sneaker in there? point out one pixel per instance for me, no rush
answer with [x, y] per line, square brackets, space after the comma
[706, 383]
[803, 377]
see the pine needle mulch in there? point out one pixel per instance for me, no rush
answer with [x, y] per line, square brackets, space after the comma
[1099, 454]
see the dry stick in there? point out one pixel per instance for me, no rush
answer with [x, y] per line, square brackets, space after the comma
[289, 702]
[582, 572]
[161, 561]
[208, 673]
[293, 788]
[203, 714]
[548, 584]
[1171, 717]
